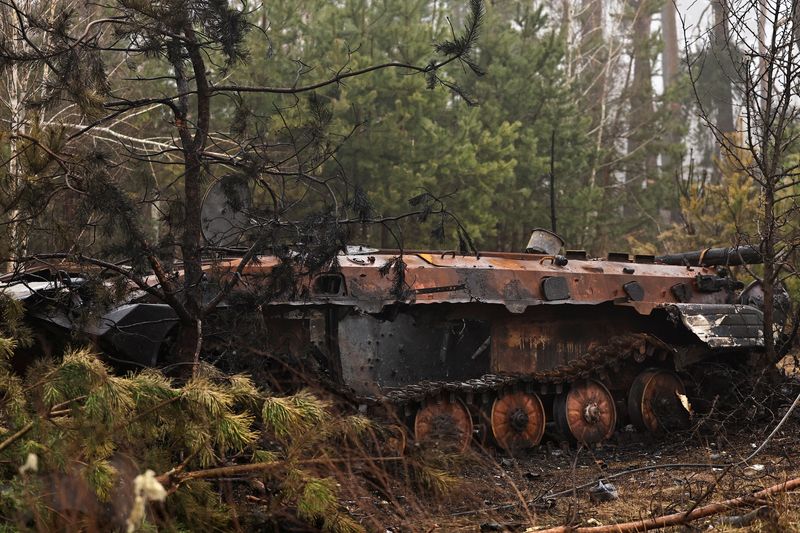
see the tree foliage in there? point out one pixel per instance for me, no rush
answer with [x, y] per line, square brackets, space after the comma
[92, 432]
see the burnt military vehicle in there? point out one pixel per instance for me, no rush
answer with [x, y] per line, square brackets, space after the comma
[509, 341]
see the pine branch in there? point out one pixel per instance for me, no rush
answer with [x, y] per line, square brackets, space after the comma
[16, 436]
[171, 479]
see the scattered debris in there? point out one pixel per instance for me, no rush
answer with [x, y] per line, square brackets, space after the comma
[31, 464]
[754, 470]
[603, 492]
[685, 402]
[683, 517]
[496, 526]
[765, 513]
[545, 503]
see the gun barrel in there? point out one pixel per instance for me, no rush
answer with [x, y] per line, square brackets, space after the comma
[737, 255]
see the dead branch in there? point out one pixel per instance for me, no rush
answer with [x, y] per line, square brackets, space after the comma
[676, 519]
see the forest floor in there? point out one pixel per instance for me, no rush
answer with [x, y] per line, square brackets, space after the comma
[512, 486]
[496, 492]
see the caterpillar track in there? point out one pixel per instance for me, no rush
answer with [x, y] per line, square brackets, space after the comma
[597, 364]
[511, 406]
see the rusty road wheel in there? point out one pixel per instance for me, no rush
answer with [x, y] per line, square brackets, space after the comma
[586, 412]
[653, 402]
[396, 440]
[444, 424]
[518, 421]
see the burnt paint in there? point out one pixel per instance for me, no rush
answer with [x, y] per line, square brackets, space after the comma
[418, 345]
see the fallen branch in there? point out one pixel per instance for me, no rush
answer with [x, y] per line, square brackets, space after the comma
[29, 426]
[175, 477]
[677, 519]
[10, 440]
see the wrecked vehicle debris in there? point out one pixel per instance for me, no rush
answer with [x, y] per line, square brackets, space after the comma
[603, 492]
[495, 343]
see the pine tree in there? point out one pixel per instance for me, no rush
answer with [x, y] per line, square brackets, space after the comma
[87, 433]
[182, 60]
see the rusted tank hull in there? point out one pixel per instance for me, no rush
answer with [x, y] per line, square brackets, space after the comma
[452, 342]
[434, 331]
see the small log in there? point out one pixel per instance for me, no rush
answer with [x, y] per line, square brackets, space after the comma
[677, 519]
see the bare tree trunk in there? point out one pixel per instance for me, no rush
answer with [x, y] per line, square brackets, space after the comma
[16, 84]
[642, 161]
[669, 74]
[769, 274]
[16, 244]
[762, 45]
[190, 334]
[724, 104]
[595, 59]
[592, 61]
[669, 31]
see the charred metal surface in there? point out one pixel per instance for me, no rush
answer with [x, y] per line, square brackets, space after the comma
[753, 295]
[132, 332]
[291, 334]
[740, 255]
[580, 255]
[542, 340]
[723, 325]
[634, 291]
[413, 347]
[514, 281]
[448, 288]
[135, 331]
[682, 292]
[555, 288]
[717, 282]
[601, 359]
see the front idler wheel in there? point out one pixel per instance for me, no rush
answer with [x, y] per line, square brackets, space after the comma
[656, 401]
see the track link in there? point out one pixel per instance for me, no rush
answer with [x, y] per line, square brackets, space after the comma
[597, 362]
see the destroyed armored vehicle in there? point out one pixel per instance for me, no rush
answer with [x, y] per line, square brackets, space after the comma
[505, 342]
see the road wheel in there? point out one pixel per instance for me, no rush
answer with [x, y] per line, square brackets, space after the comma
[518, 421]
[586, 412]
[444, 424]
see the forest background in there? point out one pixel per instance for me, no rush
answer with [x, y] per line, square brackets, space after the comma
[572, 84]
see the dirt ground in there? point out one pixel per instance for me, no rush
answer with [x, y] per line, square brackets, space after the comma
[643, 494]
[496, 492]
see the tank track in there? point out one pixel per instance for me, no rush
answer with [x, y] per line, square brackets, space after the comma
[596, 363]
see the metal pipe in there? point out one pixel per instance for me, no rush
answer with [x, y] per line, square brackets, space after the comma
[738, 255]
